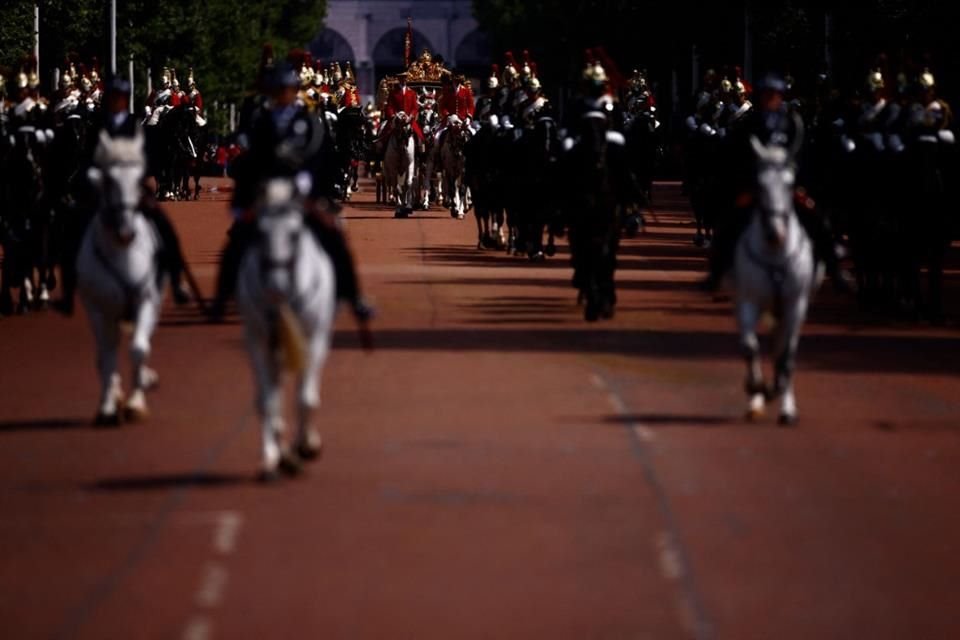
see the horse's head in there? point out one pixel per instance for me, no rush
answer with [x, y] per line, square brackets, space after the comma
[280, 223]
[775, 188]
[117, 171]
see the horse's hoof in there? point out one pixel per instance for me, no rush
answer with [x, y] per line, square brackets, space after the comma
[290, 464]
[310, 449]
[151, 379]
[268, 476]
[136, 415]
[787, 420]
[107, 420]
[537, 256]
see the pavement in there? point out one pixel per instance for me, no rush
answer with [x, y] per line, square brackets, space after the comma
[497, 468]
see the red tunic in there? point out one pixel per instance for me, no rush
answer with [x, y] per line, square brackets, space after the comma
[404, 100]
[195, 99]
[458, 101]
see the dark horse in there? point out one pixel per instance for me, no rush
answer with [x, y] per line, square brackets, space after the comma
[174, 151]
[351, 137]
[24, 213]
[596, 183]
[536, 197]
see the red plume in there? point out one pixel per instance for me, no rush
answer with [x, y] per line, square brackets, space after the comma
[526, 56]
[588, 57]
[613, 72]
[533, 69]
[510, 60]
[308, 59]
[495, 69]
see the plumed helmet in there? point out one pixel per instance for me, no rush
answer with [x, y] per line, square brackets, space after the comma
[191, 81]
[173, 79]
[348, 72]
[494, 81]
[739, 88]
[66, 80]
[927, 81]
[527, 70]
[3, 85]
[337, 72]
[165, 78]
[875, 81]
[510, 73]
[319, 77]
[95, 70]
[593, 72]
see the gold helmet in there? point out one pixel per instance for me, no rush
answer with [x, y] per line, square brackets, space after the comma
[527, 70]
[191, 81]
[927, 81]
[348, 73]
[875, 81]
[66, 77]
[173, 79]
[95, 71]
[726, 86]
[493, 81]
[319, 77]
[165, 79]
[593, 71]
[337, 72]
[510, 73]
[638, 81]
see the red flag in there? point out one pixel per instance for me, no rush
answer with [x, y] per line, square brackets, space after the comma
[408, 44]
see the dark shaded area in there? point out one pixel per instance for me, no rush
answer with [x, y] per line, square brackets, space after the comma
[43, 424]
[838, 352]
[666, 420]
[171, 481]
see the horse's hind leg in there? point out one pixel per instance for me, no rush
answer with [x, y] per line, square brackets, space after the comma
[748, 315]
[788, 337]
[309, 443]
[269, 404]
[106, 334]
[143, 377]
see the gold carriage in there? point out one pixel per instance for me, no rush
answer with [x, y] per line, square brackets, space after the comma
[423, 74]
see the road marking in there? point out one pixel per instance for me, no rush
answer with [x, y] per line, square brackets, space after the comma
[210, 593]
[598, 382]
[671, 566]
[226, 531]
[198, 629]
[670, 553]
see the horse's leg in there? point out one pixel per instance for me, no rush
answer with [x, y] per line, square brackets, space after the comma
[269, 402]
[106, 333]
[478, 213]
[6, 276]
[748, 315]
[309, 442]
[788, 337]
[143, 377]
[196, 180]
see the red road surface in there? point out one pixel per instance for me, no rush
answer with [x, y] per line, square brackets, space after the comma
[497, 469]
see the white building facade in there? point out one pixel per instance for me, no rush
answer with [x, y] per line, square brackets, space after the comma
[370, 34]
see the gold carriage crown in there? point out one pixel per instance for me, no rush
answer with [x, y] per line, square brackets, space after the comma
[425, 70]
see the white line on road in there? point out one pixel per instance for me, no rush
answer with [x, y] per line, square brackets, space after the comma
[227, 529]
[198, 629]
[210, 593]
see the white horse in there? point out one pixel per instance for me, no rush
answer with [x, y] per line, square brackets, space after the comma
[117, 274]
[452, 160]
[287, 295]
[399, 163]
[774, 272]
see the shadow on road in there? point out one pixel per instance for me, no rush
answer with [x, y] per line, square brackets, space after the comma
[665, 420]
[172, 481]
[43, 424]
[836, 352]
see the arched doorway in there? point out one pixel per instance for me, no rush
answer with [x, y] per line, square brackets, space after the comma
[388, 52]
[330, 46]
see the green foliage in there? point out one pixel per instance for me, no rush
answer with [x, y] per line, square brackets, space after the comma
[220, 39]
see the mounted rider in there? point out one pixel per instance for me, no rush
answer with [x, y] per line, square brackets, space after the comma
[287, 140]
[162, 101]
[405, 99]
[772, 123]
[456, 107]
[194, 99]
[536, 104]
[487, 103]
[347, 93]
[118, 123]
